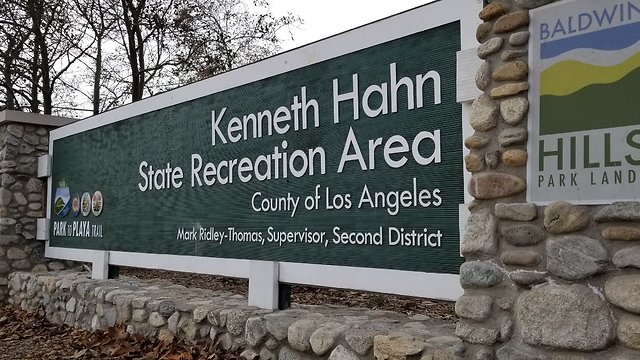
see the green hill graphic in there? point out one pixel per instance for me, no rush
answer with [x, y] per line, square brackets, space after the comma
[597, 106]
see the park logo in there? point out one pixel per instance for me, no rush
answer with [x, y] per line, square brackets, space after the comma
[590, 80]
[77, 204]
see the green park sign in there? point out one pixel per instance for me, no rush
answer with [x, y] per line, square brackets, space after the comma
[355, 160]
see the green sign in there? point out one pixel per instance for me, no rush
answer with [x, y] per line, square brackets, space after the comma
[352, 161]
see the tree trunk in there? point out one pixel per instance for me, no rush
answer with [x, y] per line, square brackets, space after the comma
[97, 77]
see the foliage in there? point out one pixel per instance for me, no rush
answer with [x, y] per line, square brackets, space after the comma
[59, 55]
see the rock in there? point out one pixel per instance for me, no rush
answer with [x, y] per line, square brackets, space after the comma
[505, 303]
[7, 179]
[483, 76]
[493, 10]
[249, 355]
[520, 258]
[511, 353]
[360, 339]
[629, 331]
[480, 234]
[288, 354]
[624, 233]
[396, 347]
[526, 277]
[531, 4]
[325, 338]
[476, 335]
[265, 354]
[484, 114]
[519, 38]
[479, 274]
[476, 142]
[492, 158]
[34, 185]
[517, 212]
[187, 328]
[342, 353]
[487, 186]
[575, 257]
[483, 31]
[513, 110]
[5, 197]
[513, 136]
[474, 163]
[15, 254]
[70, 306]
[619, 211]
[156, 320]
[139, 315]
[565, 317]
[509, 55]
[509, 90]
[15, 130]
[489, 47]
[472, 307]
[624, 292]
[300, 332]
[255, 331]
[561, 217]
[511, 71]
[506, 329]
[514, 158]
[236, 320]
[512, 21]
[627, 257]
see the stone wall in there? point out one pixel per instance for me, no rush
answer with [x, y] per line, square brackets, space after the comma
[22, 200]
[555, 282]
[156, 308]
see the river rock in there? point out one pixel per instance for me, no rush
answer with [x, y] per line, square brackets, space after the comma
[513, 136]
[627, 257]
[625, 233]
[482, 32]
[520, 258]
[519, 38]
[511, 353]
[511, 71]
[483, 76]
[619, 211]
[514, 158]
[323, 339]
[396, 347]
[493, 10]
[487, 186]
[300, 332]
[479, 274]
[513, 110]
[474, 163]
[575, 257]
[342, 353]
[516, 211]
[527, 277]
[561, 217]
[509, 55]
[476, 334]
[492, 158]
[489, 47]
[629, 331]
[509, 89]
[476, 142]
[565, 317]
[484, 114]
[474, 307]
[480, 235]
[624, 292]
[512, 21]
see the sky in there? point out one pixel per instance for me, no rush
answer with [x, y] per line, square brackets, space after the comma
[323, 18]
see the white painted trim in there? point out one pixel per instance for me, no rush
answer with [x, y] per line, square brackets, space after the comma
[263, 284]
[44, 165]
[42, 228]
[100, 265]
[411, 283]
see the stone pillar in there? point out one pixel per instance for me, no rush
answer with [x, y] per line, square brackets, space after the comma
[23, 196]
[555, 282]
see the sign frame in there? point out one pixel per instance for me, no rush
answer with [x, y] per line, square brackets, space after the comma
[421, 284]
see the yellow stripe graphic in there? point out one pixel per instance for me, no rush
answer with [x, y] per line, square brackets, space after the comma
[569, 76]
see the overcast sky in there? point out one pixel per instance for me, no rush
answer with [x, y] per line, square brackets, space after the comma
[323, 18]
